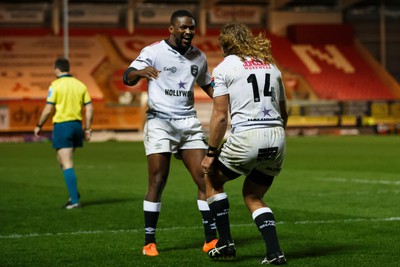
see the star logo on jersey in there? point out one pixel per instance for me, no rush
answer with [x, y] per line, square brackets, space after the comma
[266, 112]
[181, 85]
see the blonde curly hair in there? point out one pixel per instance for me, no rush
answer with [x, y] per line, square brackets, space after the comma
[237, 39]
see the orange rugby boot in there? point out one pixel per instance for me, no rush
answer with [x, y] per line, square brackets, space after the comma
[150, 250]
[210, 245]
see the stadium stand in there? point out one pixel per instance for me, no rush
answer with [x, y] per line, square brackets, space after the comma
[326, 56]
[323, 69]
[324, 66]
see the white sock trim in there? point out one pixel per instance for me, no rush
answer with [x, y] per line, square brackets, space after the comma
[151, 206]
[217, 197]
[260, 211]
[203, 205]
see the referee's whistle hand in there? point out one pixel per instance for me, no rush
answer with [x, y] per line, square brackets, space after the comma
[36, 131]
[88, 134]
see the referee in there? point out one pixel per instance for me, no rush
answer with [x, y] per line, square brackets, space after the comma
[67, 95]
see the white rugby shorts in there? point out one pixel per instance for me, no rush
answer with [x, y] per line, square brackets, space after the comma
[260, 148]
[170, 135]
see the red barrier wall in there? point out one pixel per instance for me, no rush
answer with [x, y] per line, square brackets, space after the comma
[321, 34]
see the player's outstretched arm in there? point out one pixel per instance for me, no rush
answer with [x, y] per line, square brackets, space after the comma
[132, 75]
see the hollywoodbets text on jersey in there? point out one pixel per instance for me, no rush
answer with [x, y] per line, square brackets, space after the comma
[172, 92]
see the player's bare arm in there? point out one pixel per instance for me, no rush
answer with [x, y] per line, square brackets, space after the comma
[208, 89]
[218, 126]
[219, 120]
[132, 75]
[284, 114]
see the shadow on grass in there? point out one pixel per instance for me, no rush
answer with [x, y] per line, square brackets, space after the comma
[316, 251]
[106, 201]
[242, 255]
[198, 246]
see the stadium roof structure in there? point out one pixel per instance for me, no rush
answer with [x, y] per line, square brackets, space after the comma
[276, 4]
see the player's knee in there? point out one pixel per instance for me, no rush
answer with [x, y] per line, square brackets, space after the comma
[218, 182]
[250, 197]
[157, 184]
[252, 201]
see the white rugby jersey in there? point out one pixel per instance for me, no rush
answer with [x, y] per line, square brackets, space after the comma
[171, 96]
[254, 89]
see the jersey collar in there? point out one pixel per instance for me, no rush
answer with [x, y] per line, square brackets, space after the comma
[64, 75]
[176, 48]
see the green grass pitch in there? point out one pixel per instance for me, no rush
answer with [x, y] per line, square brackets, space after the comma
[337, 203]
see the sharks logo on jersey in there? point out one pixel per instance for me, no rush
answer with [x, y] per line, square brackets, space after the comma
[194, 70]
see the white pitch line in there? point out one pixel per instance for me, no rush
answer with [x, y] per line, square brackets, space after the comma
[361, 181]
[379, 192]
[18, 236]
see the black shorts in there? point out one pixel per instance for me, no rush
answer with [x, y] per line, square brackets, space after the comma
[67, 134]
